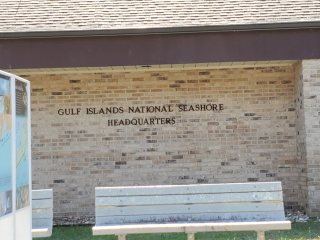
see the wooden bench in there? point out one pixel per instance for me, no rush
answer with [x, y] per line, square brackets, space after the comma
[42, 214]
[189, 209]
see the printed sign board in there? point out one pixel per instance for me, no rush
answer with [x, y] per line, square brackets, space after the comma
[22, 151]
[15, 157]
[5, 146]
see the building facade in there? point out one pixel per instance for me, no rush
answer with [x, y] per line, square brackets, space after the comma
[193, 97]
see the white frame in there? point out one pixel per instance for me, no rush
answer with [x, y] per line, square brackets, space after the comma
[25, 213]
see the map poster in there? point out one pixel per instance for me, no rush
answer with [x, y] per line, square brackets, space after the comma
[22, 150]
[5, 146]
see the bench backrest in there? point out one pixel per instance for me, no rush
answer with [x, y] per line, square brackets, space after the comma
[42, 205]
[189, 203]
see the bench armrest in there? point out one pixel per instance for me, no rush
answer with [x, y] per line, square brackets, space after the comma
[41, 232]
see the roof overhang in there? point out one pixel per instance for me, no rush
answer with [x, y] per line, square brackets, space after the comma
[160, 30]
[160, 49]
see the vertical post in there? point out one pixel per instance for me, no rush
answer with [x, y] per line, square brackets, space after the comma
[309, 135]
[190, 236]
[260, 235]
[122, 237]
[14, 170]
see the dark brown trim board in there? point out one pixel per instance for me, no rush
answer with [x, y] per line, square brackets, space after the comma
[175, 48]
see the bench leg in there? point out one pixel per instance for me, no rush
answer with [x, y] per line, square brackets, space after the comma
[260, 235]
[122, 237]
[190, 236]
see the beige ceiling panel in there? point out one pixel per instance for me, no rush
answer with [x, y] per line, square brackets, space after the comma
[225, 64]
[81, 69]
[130, 68]
[45, 69]
[117, 68]
[177, 65]
[237, 63]
[204, 65]
[165, 66]
[189, 65]
[94, 68]
[217, 64]
[143, 67]
[156, 67]
[250, 63]
[69, 69]
[274, 62]
[106, 68]
[287, 61]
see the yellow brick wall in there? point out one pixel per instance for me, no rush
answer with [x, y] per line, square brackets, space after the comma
[252, 139]
[309, 134]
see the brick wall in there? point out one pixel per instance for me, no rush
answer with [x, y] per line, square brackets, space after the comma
[310, 102]
[301, 136]
[252, 139]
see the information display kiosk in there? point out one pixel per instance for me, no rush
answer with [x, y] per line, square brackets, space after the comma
[15, 158]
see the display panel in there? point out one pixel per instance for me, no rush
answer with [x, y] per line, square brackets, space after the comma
[22, 151]
[5, 146]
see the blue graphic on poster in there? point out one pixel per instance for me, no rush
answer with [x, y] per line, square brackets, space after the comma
[22, 151]
[5, 147]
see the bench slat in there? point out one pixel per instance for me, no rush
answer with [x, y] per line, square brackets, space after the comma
[253, 226]
[41, 203]
[189, 208]
[42, 232]
[42, 213]
[188, 189]
[41, 194]
[201, 217]
[187, 199]
[191, 227]
[39, 223]
[144, 228]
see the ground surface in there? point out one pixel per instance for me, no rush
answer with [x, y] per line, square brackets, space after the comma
[309, 230]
